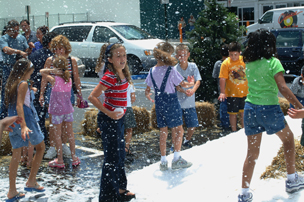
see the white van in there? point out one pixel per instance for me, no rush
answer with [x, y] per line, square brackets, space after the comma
[86, 39]
[280, 18]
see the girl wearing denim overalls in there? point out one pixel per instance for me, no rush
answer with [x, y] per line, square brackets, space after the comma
[262, 112]
[164, 78]
[114, 83]
[19, 103]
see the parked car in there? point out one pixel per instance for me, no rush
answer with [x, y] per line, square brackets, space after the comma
[289, 17]
[81, 66]
[290, 49]
[86, 39]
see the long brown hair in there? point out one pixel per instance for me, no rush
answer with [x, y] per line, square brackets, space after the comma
[125, 71]
[20, 68]
[101, 60]
[61, 62]
[162, 52]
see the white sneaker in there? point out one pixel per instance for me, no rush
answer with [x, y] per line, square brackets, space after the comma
[163, 166]
[51, 153]
[245, 198]
[180, 163]
[66, 151]
[292, 186]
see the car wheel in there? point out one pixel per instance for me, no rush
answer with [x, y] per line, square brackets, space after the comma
[135, 65]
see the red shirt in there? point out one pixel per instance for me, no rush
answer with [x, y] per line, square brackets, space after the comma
[116, 94]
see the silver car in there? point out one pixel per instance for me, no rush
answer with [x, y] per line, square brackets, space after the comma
[86, 39]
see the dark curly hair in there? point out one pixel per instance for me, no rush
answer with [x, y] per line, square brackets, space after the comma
[261, 44]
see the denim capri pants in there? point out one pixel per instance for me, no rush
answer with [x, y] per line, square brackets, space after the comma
[36, 136]
[260, 118]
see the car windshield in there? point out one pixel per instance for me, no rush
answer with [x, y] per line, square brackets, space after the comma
[132, 32]
[289, 39]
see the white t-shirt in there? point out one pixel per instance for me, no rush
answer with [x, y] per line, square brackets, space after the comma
[131, 89]
[192, 70]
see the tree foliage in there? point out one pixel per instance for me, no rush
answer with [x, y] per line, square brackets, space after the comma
[214, 27]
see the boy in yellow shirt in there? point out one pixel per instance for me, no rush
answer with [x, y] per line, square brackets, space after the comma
[233, 83]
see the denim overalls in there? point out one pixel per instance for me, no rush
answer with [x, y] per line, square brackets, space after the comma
[167, 108]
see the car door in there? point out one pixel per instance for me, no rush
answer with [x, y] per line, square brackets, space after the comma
[101, 35]
[77, 36]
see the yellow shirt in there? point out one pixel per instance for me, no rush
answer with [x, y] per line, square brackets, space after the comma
[236, 81]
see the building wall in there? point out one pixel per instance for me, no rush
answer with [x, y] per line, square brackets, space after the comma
[152, 15]
[119, 10]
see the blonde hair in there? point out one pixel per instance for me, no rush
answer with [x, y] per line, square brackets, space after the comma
[61, 41]
[20, 68]
[163, 51]
[61, 62]
[125, 71]
[181, 46]
[101, 60]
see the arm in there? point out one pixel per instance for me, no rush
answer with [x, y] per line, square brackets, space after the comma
[190, 92]
[133, 98]
[47, 64]
[7, 122]
[180, 89]
[93, 98]
[222, 96]
[23, 87]
[76, 79]
[286, 92]
[188, 84]
[148, 94]
[12, 51]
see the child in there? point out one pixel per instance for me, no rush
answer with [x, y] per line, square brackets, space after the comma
[19, 103]
[186, 97]
[262, 109]
[60, 107]
[164, 78]
[114, 83]
[297, 88]
[130, 121]
[233, 84]
[224, 117]
[60, 45]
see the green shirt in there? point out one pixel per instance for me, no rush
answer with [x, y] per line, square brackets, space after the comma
[263, 89]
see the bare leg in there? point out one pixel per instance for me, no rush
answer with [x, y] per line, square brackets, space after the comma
[128, 137]
[162, 140]
[30, 154]
[51, 133]
[190, 132]
[289, 148]
[13, 172]
[242, 119]
[57, 135]
[68, 129]
[233, 119]
[253, 151]
[31, 182]
[179, 133]
[64, 136]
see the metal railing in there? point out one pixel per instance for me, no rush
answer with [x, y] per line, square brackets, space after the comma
[51, 21]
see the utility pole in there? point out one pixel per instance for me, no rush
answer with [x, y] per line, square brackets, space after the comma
[165, 2]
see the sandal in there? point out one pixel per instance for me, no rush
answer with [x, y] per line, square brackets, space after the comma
[36, 188]
[16, 198]
[126, 196]
[76, 163]
[128, 152]
[55, 164]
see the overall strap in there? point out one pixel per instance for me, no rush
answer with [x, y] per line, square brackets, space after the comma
[153, 81]
[165, 79]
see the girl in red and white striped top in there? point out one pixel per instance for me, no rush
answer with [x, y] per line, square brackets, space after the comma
[114, 83]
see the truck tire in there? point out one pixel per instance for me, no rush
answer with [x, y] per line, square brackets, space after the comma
[134, 64]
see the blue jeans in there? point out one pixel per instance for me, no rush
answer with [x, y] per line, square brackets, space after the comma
[113, 176]
[5, 74]
[224, 116]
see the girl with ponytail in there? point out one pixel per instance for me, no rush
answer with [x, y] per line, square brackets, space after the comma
[60, 107]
